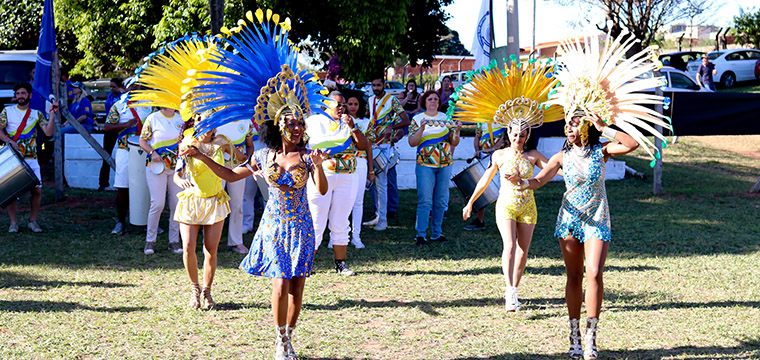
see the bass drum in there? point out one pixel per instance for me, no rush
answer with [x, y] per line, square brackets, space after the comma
[467, 180]
[16, 177]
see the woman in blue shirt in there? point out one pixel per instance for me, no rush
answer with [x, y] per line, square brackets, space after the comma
[81, 108]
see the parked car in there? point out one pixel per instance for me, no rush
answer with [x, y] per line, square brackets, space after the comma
[457, 78]
[391, 87]
[99, 90]
[15, 66]
[680, 59]
[675, 81]
[732, 65]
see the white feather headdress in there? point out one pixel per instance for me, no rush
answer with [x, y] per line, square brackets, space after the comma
[605, 82]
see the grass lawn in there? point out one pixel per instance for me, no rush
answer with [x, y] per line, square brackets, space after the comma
[744, 87]
[682, 281]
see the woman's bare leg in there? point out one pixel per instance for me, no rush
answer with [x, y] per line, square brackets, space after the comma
[572, 253]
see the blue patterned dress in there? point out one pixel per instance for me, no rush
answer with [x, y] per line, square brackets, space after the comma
[283, 246]
[584, 211]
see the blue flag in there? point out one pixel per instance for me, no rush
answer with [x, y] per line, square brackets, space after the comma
[42, 87]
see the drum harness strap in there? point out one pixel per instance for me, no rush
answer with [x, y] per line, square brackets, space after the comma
[23, 125]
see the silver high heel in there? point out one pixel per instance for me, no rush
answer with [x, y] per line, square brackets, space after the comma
[289, 345]
[591, 352]
[576, 352]
[280, 347]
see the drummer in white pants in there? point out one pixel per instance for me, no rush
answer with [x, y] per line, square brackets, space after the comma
[241, 135]
[251, 189]
[340, 139]
[159, 138]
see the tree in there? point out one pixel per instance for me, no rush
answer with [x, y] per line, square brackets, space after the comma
[20, 24]
[427, 25]
[450, 45]
[748, 28]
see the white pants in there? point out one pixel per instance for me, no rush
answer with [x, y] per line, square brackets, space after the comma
[358, 209]
[121, 178]
[249, 197]
[157, 187]
[236, 190]
[335, 206]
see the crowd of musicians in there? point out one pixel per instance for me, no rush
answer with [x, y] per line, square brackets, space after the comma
[218, 125]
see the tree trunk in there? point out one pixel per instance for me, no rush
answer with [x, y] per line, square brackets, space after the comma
[216, 10]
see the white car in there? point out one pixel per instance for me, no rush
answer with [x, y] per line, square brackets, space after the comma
[732, 65]
[675, 81]
[15, 66]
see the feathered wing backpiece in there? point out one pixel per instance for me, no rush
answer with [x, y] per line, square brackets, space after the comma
[512, 97]
[169, 74]
[601, 80]
[264, 81]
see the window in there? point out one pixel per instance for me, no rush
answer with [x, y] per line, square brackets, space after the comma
[680, 81]
[13, 72]
[754, 55]
[714, 55]
[739, 55]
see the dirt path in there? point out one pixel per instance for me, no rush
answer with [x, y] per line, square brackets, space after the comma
[747, 145]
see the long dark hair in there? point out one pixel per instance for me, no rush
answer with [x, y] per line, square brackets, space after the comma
[270, 136]
[530, 144]
[187, 125]
[362, 111]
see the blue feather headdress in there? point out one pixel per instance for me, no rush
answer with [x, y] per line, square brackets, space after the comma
[265, 81]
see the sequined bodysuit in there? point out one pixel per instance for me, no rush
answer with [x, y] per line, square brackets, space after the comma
[513, 203]
[283, 246]
[584, 212]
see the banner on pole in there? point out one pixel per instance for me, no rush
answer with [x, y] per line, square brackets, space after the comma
[43, 84]
[481, 44]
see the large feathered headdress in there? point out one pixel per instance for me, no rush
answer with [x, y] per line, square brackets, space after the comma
[170, 73]
[604, 82]
[512, 97]
[265, 82]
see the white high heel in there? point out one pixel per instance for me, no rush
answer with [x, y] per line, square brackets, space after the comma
[591, 352]
[576, 352]
[280, 347]
[288, 344]
[517, 302]
[509, 299]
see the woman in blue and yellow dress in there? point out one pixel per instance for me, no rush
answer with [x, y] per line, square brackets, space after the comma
[278, 97]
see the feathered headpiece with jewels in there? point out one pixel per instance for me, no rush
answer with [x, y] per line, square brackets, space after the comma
[602, 81]
[170, 73]
[512, 97]
[265, 83]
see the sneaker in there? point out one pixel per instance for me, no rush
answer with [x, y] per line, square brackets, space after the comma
[342, 268]
[357, 243]
[118, 229]
[240, 249]
[440, 239]
[34, 227]
[381, 226]
[150, 247]
[13, 228]
[174, 247]
[420, 240]
[391, 214]
[475, 225]
[372, 222]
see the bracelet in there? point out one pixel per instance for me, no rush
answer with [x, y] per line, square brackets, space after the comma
[524, 184]
[609, 132]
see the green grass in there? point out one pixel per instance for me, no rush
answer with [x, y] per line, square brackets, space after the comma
[681, 283]
[744, 87]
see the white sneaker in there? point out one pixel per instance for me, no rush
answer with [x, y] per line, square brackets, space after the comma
[372, 222]
[118, 229]
[150, 248]
[357, 243]
[13, 228]
[381, 226]
[34, 227]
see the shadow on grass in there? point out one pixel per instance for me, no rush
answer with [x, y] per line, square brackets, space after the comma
[747, 349]
[230, 306]
[556, 270]
[59, 306]
[428, 307]
[9, 279]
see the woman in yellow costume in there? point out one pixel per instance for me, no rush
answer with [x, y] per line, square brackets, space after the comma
[513, 100]
[169, 76]
[598, 88]
[278, 97]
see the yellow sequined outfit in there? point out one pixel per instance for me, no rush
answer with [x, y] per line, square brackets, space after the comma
[206, 203]
[513, 203]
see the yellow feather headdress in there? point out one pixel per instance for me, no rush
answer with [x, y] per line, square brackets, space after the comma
[513, 97]
[604, 82]
[170, 73]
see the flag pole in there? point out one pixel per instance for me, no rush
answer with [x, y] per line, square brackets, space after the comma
[56, 74]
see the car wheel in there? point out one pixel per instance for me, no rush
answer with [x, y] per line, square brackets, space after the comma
[728, 79]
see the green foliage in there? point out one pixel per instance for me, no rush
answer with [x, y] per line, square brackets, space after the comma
[427, 26]
[180, 17]
[20, 24]
[451, 45]
[748, 28]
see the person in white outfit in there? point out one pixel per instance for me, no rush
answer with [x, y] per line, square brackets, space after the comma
[159, 139]
[365, 172]
[240, 133]
[339, 137]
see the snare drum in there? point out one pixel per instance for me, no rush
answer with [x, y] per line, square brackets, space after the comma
[381, 162]
[16, 177]
[467, 180]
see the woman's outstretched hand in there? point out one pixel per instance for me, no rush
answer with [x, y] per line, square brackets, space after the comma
[318, 156]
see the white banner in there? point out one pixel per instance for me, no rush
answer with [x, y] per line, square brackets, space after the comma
[481, 44]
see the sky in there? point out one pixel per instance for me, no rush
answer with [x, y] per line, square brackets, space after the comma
[555, 22]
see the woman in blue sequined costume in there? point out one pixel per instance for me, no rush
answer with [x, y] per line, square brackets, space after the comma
[583, 223]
